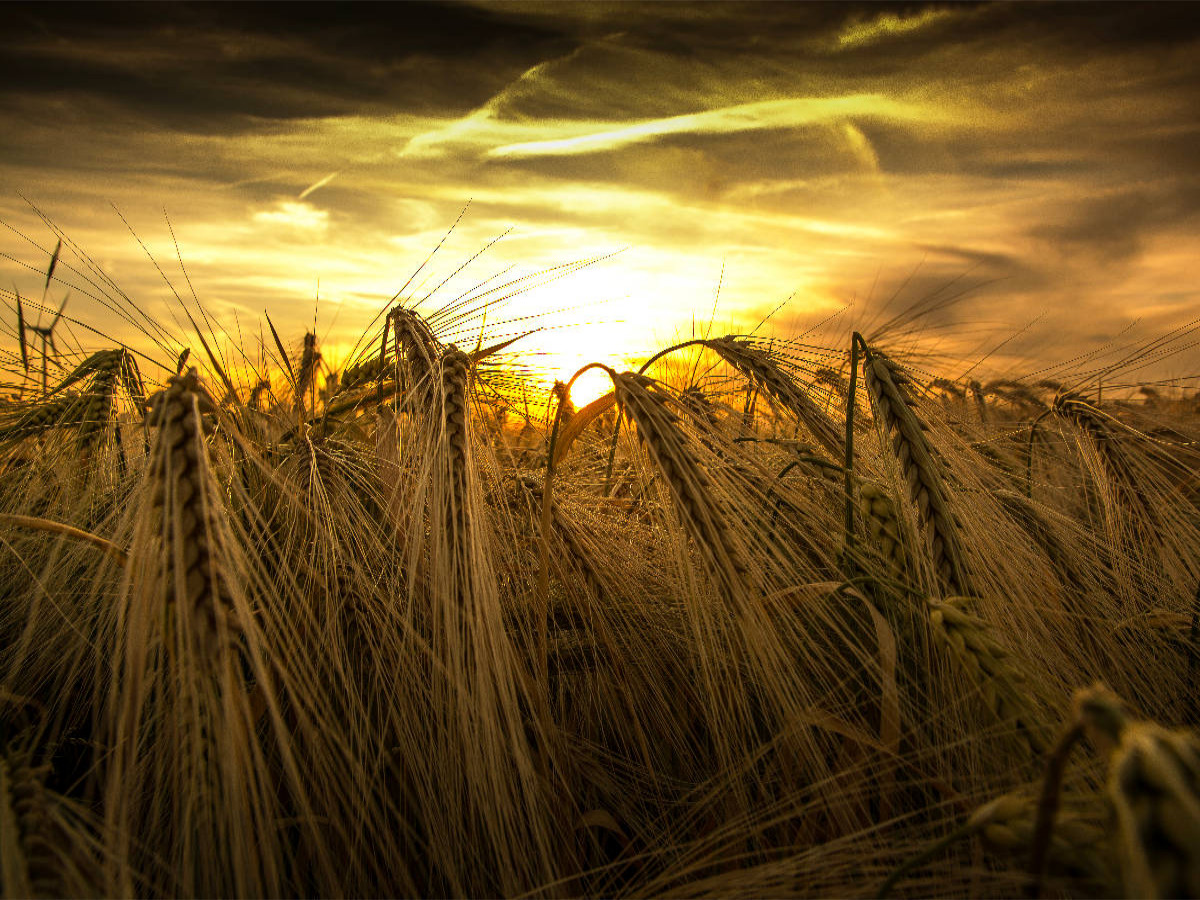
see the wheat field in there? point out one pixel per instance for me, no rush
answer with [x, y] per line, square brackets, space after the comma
[771, 618]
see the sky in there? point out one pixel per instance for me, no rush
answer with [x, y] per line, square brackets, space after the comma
[728, 163]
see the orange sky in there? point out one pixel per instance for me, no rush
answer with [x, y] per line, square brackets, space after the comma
[853, 158]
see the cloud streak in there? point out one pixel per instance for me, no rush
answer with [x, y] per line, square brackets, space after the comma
[742, 118]
[317, 185]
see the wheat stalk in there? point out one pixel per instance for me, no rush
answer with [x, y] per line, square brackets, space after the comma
[178, 471]
[456, 367]
[1153, 788]
[1101, 433]
[1098, 427]
[47, 525]
[101, 362]
[310, 357]
[97, 407]
[180, 715]
[883, 525]
[38, 418]
[27, 866]
[40, 854]
[1008, 822]
[417, 347]
[1015, 392]
[895, 407]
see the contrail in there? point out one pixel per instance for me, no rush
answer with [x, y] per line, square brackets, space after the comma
[320, 184]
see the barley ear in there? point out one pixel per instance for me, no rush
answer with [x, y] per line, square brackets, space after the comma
[1007, 823]
[456, 369]
[882, 521]
[895, 407]
[763, 371]
[691, 490]
[1154, 790]
[39, 854]
[999, 679]
[178, 470]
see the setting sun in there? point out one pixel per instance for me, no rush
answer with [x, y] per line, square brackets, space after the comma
[590, 385]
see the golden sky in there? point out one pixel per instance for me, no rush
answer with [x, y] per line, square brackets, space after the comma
[853, 158]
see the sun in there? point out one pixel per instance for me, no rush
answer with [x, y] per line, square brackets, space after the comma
[591, 385]
[563, 363]
[559, 355]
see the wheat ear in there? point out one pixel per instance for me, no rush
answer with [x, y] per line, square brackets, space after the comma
[691, 490]
[416, 344]
[895, 407]
[762, 370]
[310, 358]
[27, 864]
[1154, 790]
[456, 367]
[178, 469]
[883, 525]
[1103, 436]
[1007, 823]
[991, 668]
[38, 857]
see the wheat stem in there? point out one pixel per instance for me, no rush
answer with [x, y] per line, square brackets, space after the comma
[70, 531]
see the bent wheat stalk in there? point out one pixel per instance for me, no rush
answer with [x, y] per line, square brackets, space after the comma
[762, 370]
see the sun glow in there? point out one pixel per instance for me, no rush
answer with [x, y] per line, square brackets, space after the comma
[591, 385]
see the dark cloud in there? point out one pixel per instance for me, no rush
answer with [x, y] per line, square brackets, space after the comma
[1102, 27]
[1114, 228]
[207, 65]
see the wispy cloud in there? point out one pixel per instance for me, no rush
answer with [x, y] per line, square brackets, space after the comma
[317, 185]
[292, 214]
[744, 117]
[889, 24]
